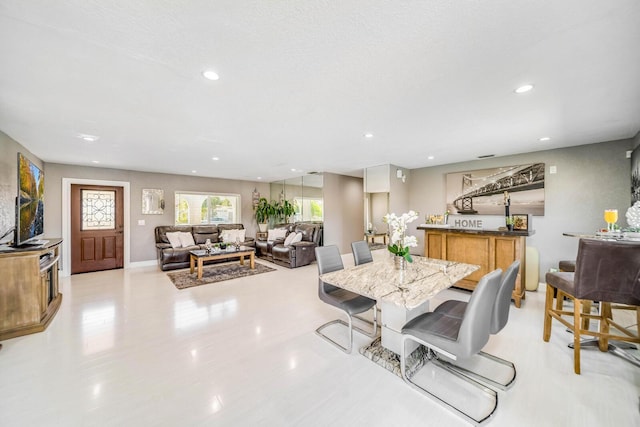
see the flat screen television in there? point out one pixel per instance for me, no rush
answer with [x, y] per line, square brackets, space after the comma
[30, 202]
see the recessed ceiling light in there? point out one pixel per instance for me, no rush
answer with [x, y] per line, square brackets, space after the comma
[293, 169]
[259, 177]
[210, 75]
[215, 158]
[430, 158]
[544, 139]
[87, 137]
[524, 88]
[368, 135]
[95, 161]
[194, 171]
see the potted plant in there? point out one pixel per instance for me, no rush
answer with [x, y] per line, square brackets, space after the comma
[263, 211]
[285, 210]
[400, 242]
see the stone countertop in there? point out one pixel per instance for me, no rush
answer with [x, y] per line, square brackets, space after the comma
[409, 288]
[496, 232]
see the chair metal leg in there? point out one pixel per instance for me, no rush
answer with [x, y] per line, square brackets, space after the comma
[350, 329]
[369, 322]
[485, 390]
[617, 348]
[333, 322]
[479, 377]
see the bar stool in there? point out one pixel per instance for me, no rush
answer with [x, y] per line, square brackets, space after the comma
[606, 271]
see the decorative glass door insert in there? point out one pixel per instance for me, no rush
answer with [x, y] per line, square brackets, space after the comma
[98, 210]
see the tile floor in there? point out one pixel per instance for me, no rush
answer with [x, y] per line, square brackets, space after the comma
[127, 348]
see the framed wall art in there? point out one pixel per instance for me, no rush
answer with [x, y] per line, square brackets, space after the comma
[481, 192]
[152, 201]
[635, 175]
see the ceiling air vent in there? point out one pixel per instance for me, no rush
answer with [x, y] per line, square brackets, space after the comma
[486, 156]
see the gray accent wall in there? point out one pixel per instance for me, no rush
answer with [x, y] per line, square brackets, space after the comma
[343, 211]
[142, 242]
[589, 179]
[399, 191]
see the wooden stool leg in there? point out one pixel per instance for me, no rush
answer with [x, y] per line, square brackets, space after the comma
[559, 300]
[548, 304]
[605, 315]
[586, 309]
[576, 335]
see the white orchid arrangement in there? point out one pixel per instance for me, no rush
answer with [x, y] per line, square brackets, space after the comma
[400, 242]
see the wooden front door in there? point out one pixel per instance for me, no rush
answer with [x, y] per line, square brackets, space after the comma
[97, 226]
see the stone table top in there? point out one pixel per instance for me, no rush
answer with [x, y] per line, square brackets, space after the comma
[422, 279]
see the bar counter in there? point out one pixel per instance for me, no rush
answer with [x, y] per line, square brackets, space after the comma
[489, 248]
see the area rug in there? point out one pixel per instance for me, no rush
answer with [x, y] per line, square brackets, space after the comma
[391, 361]
[215, 273]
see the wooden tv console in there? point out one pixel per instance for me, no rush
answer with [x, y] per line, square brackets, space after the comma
[29, 297]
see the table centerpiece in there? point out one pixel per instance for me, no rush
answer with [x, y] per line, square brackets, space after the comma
[399, 242]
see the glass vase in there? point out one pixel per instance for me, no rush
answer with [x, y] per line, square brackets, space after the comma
[399, 262]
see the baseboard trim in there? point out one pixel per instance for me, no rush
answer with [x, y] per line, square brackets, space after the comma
[148, 263]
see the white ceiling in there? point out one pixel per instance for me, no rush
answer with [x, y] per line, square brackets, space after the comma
[301, 82]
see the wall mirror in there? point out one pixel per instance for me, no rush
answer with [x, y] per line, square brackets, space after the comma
[152, 201]
[306, 194]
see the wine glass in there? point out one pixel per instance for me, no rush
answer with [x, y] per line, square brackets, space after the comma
[611, 217]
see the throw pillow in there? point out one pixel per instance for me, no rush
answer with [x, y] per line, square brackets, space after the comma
[186, 239]
[229, 236]
[298, 238]
[276, 233]
[174, 239]
[290, 238]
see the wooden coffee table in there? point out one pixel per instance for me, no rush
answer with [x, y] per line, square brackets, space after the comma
[200, 256]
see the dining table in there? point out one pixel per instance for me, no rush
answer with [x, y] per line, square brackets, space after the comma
[401, 294]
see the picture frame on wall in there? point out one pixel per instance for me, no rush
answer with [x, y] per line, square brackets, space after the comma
[481, 191]
[635, 175]
[521, 222]
[152, 201]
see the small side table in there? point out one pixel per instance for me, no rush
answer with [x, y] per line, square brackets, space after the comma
[371, 237]
[261, 235]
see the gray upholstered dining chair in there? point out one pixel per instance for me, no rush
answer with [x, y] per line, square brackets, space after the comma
[361, 252]
[457, 338]
[499, 318]
[607, 272]
[329, 260]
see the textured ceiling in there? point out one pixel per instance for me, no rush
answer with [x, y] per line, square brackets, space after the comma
[301, 82]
